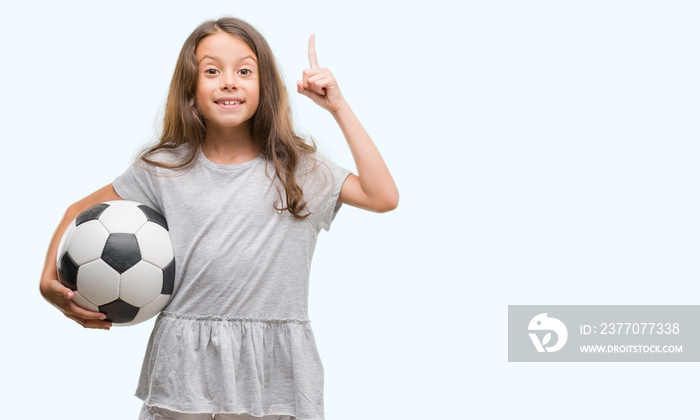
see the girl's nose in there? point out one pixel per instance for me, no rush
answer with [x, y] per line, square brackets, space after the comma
[228, 81]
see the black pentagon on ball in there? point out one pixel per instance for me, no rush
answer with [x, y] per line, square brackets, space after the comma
[68, 272]
[168, 278]
[154, 216]
[121, 251]
[119, 311]
[91, 214]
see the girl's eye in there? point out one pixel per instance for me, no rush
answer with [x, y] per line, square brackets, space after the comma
[245, 72]
[210, 71]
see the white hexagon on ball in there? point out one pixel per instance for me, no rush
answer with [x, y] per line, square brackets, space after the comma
[98, 283]
[141, 284]
[87, 241]
[116, 220]
[155, 245]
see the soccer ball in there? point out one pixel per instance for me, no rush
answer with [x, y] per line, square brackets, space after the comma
[117, 258]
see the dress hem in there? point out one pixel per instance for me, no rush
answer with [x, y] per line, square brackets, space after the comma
[267, 411]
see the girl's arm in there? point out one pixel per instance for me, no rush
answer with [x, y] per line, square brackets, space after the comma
[372, 188]
[51, 289]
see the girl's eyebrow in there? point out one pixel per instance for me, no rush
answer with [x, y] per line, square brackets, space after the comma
[242, 59]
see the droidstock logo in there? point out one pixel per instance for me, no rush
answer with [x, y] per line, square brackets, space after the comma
[543, 323]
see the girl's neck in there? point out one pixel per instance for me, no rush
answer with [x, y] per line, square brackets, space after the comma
[229, 145]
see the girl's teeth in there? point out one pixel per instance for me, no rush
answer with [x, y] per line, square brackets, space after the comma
[230, 102]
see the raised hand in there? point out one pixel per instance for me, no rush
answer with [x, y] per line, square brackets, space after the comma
[373, 188]
[319, 84]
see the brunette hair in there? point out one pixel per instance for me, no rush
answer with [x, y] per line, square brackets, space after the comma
[271, 126]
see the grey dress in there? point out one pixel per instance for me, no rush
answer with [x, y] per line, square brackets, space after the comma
[236, 337]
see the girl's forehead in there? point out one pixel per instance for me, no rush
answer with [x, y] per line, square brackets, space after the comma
[223, 46]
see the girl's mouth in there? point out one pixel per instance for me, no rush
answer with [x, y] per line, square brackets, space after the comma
[228, 102]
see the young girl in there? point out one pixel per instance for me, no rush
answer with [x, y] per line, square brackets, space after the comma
[245, 199]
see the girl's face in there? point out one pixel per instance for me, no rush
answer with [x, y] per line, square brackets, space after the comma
[228, 89]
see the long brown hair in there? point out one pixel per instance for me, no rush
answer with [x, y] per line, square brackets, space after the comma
[271, 127]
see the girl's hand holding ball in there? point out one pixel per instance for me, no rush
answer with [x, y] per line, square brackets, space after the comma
[61, 297]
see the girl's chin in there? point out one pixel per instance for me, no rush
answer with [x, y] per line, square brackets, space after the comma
[228, 125]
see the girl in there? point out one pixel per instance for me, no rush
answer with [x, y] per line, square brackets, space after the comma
[245, 199]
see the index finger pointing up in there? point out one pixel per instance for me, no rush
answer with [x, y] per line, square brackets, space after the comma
[312, 52]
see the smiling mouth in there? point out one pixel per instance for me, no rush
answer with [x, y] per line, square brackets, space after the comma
[228, 102]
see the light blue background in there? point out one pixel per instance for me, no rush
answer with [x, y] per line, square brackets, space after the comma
[546, 153]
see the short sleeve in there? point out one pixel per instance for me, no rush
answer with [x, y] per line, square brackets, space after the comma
[137, 184]
[321, 186]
